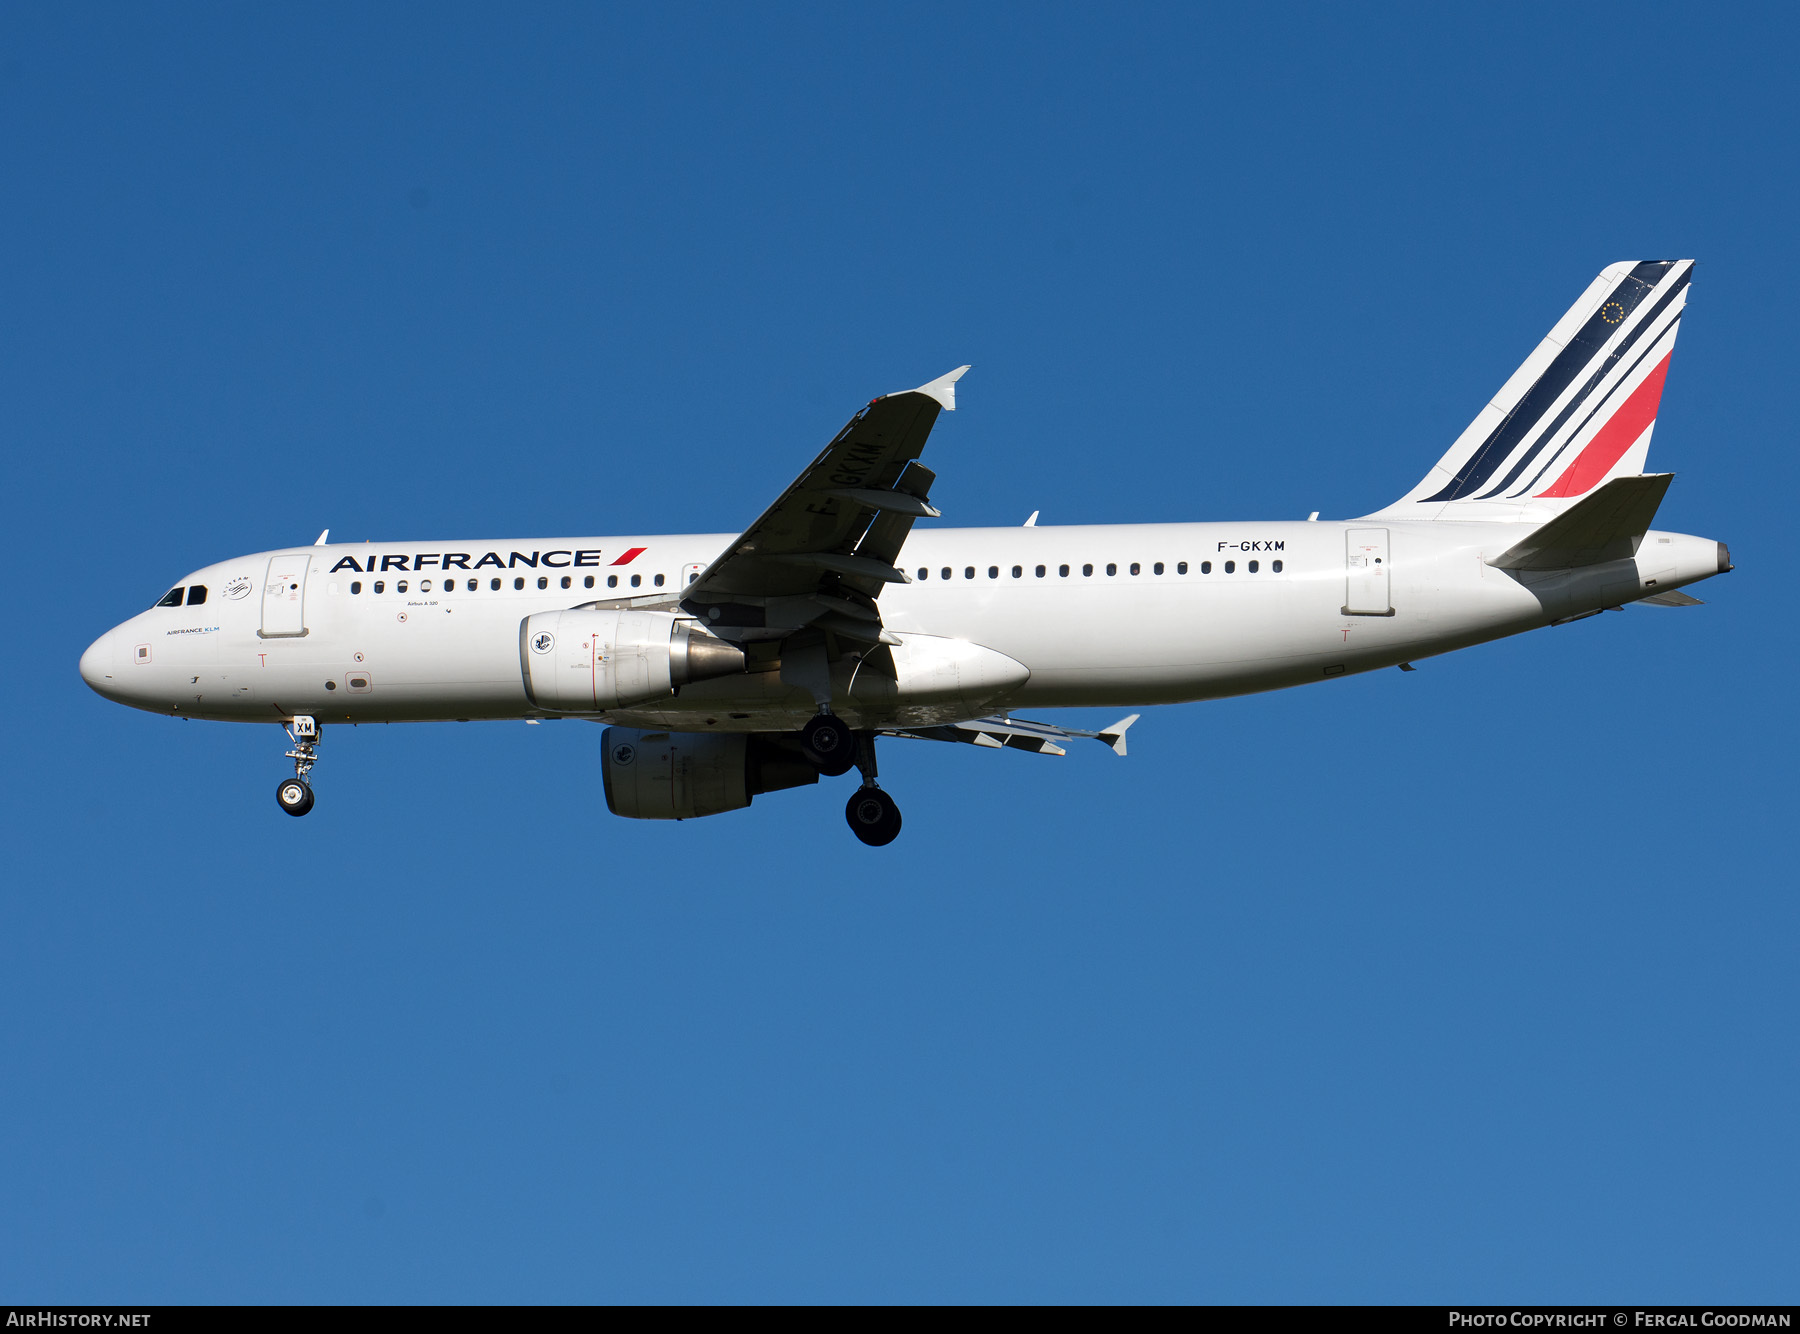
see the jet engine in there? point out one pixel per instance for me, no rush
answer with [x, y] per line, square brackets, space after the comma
[681, 775]
[588, 661]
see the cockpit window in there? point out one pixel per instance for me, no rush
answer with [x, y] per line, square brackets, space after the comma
[172, 598]
[196, 594]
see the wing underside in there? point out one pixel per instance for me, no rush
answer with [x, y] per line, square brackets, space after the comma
[1003, 731]
[817, 559]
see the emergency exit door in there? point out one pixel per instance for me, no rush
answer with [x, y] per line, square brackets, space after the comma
[284, 597]
[1366, 573]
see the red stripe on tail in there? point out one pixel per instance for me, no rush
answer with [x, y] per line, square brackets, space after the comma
[1611, 441]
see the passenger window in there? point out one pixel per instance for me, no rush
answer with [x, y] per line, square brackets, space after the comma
[356, 585]
[1156, 568]
[1087, 571]
[424, 586]
[993, 571]
[1134, 567]
[946, 573]
[172, 598]
[1275, 567]
[612, 581]
[1111, 570]
[1230, 567]
[1018, 571]
[518, 584]
[658, 581]
[969, 573]
[1205, 567]
[567, 582]
[637, 581]
[588, 582]
[543, 581]
[1181, 568]
[1062, 571]
[381, 585]
[196, 595]
[1040, 571]
[400, 586]
[1253, 566]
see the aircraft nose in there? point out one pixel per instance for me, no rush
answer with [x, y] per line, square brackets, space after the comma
[99, 665]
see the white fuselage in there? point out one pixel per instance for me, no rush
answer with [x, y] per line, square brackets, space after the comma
[266, 647]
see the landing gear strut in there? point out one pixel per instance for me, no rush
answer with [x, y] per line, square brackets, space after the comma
[873, 815]
[295, 795]
[828, 744]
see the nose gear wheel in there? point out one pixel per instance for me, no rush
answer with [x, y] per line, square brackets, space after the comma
[294, 796]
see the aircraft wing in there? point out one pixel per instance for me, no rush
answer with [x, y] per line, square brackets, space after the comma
[999, 731]
[821, 554]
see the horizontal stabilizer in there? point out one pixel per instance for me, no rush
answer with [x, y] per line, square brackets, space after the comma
[1608, 525]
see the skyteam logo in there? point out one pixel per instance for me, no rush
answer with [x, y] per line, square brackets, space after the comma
[542, 642]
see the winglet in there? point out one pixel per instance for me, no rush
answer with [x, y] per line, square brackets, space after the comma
[943, 389]
[322, 536]
[1114, 736]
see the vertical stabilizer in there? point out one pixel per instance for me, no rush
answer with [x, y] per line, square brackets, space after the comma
[1576, 414]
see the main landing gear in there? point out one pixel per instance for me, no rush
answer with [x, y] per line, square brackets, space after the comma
[873, 816]
[829, 744]
[833, 749]
[295, 795]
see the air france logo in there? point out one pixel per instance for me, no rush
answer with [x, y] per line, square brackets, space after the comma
[542, 642]
[624, 754]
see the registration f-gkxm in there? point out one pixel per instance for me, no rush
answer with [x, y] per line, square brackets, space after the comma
[728, 666]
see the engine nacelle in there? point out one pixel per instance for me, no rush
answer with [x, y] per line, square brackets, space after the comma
[682, 775]
[588, 661]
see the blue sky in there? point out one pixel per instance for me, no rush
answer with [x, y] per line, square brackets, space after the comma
[1471, 984]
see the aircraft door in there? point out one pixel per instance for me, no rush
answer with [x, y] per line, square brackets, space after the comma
[1366, 573]
[284, 597]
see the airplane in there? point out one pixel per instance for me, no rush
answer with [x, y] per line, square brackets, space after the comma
[729, 666]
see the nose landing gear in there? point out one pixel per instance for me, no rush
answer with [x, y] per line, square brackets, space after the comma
[874, 816]
[295, 795]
